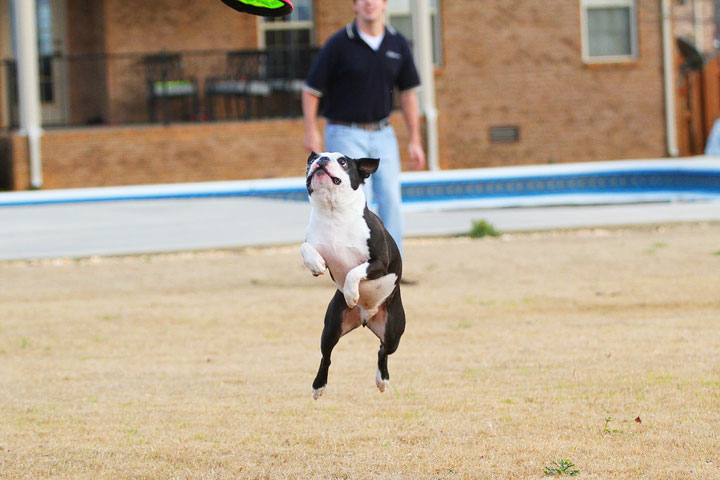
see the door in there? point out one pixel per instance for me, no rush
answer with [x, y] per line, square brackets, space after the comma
[52, 49]
[6, 53]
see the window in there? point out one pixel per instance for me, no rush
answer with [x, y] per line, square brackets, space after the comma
[294, 31]
[609, 30]
[400, 17]
[288, 42]
[46, 49]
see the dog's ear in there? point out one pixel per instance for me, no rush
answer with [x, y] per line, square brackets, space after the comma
[312, 157]
[367, 166]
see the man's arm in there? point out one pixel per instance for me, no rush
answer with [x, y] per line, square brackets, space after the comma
[410, 110]
[310, 104]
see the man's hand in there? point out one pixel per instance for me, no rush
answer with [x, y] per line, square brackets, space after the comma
[313, 140]
[410, 110]
[417, 155]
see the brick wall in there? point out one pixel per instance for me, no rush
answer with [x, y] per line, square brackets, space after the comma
[14, 162]
[140, 26]
[101, 156]
[330, 16]
[87, 75]
[520, 63]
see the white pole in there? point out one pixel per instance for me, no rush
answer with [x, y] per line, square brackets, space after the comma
[669, 76]
[29, 84]
[423, 50]
[698, 24]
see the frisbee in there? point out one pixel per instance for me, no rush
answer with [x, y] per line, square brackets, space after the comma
[264, 8]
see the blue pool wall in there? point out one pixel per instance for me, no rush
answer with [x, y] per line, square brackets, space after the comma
[685, 179]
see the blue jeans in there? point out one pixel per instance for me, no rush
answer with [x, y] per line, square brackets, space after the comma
[713, 142]
[382, 189]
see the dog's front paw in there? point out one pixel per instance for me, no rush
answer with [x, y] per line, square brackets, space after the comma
[316, 267]
[352, 294]
[351, 288]
[313, 260]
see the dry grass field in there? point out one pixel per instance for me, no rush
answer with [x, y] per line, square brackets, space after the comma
[597, 346]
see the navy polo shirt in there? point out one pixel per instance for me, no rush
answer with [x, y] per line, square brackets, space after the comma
[357, 82]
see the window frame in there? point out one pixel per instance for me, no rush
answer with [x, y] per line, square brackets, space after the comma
[265, 26]
[586, 5]
[436, 26]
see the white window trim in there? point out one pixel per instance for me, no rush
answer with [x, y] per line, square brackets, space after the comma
[436, 42]
[587, 58]
[276, 26]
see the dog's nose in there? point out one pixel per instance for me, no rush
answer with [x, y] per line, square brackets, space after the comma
[323, 161]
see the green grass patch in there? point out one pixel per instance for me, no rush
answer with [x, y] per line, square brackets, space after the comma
[563, 467]
[483, 228]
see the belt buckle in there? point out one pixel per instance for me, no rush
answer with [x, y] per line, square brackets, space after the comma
[376, 126]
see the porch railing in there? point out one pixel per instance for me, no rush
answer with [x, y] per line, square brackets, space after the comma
[163, 87]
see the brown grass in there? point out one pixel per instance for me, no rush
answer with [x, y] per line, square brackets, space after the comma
[519, 351]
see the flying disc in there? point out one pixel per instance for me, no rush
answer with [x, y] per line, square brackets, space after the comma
[264, 8]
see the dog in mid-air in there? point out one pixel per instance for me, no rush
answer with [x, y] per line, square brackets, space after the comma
[345, 237]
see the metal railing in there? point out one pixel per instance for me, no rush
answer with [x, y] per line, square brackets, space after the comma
[163, 87]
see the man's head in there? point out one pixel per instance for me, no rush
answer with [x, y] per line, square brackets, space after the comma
[370, 10]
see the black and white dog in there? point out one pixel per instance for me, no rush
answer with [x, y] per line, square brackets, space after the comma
[364, 261]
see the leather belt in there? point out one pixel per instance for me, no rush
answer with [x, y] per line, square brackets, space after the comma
[371, 126]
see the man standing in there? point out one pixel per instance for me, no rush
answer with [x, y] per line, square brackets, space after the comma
[355, 73]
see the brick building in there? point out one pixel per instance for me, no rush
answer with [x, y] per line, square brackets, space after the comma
[517, 82]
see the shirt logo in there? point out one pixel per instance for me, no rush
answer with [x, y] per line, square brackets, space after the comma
[392, 54]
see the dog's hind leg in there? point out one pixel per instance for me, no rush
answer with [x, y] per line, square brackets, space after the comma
[339, 320]
[394, 326]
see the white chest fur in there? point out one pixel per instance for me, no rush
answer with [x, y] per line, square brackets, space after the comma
[342, 242]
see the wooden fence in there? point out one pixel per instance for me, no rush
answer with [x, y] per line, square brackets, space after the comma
[698, 106]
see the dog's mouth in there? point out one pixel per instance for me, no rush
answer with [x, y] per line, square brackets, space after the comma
[335, 180]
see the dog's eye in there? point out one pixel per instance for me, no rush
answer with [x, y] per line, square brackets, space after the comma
[342, 162]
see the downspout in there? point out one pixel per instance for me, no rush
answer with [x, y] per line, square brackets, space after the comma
[669, 79]
[423, 41]
[698, 25]
[29, 84]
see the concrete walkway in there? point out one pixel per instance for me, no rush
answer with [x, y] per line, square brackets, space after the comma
[146, 226]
